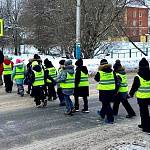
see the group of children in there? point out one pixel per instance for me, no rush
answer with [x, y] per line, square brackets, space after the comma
[112, 86]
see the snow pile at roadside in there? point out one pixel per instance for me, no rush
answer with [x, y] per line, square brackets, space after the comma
[130, 64]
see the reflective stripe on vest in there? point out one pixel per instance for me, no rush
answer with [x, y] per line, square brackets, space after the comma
[7, 69]
[39, 78]
[19, 73]
[52, 73]
[69, 83]
[144, 89]
[124, 83]
[83, 80]
[107, 81]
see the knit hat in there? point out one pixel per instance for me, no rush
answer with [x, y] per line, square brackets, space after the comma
[143, 63]
[62, 62]
[46, 61]
[118, 61]
[36, 56]
[103, 62]
[18, 61]
[68, 62]
[79, 62]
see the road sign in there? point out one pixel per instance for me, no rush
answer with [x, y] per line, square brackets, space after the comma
[1, 27]
[77, 51]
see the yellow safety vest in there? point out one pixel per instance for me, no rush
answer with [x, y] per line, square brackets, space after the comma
[144, 89]
[83, 80]
[7, 69]
[19, 73]
[124, 83]
[69, 83]
[107, 81]
[52, 73]
[39, 78]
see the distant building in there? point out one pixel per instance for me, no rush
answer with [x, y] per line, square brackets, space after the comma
[136, 19]
[147, 3]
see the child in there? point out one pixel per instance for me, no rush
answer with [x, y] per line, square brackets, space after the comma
[19, 75]
[66, 81]
[141, 85]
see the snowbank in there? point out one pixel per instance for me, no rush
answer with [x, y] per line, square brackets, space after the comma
[92, 64]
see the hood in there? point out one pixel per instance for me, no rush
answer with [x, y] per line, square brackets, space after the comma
[69, 69]
[121, 70]
[19, 65]
[144, 73]
[83, 69]
[7, 62]
[105, 68]
[37, 68]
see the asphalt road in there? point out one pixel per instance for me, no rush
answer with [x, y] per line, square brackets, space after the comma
[21, 123]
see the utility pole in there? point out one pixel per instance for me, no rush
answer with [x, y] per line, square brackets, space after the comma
[77, 45]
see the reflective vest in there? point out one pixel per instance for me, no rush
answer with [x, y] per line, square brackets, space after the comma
[83, 80]
[7, 69]
[19, 73]
[144, 89]
[69, 83]
[52, 73]
[124, 83]
[39, 78]
[107, 81]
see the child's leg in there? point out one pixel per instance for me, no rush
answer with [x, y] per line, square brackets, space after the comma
[85, 103]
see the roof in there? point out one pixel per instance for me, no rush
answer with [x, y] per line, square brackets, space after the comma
[136, 3]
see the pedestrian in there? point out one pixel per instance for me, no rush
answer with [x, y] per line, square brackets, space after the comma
[38, 83]
[141, 86]
[122, 93]
[107, 85]
[59, 89]
[18, 75]
[7, 71]
[50, 72]
[81, 85]
[66, 81]
[1, 67]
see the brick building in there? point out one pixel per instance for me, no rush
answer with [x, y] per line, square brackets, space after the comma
[136, 19]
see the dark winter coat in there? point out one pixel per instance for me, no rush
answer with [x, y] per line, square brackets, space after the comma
[104, 94]
[143, 73]
[80, 91]
[1, 57]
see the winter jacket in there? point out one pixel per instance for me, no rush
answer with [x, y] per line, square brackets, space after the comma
[19, 65]
[80, 91]
[63, 76]
[7, 62]
[1, 57]
[104, 94]
[1, 69]
[143, 73]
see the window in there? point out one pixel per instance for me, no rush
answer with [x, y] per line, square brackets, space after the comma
[134, 32]
[140, 22]
[140, 14]
[134, 23]
[140, 31]
[134, 14]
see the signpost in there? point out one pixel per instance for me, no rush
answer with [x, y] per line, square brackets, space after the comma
[1, 27]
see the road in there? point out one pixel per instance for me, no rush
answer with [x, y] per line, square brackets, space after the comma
[25, 127]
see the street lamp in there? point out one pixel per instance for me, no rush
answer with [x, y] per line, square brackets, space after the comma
[77, 45]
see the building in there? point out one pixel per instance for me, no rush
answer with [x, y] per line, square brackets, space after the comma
[136, 19]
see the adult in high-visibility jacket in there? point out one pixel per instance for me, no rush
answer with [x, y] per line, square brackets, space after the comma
[18, 75]
[122, 93]
[50, 72]
[38, 83]
[107, 86]
[81, 85]
[7, 71]
[141, 86]
[59, 89]
[66, 80]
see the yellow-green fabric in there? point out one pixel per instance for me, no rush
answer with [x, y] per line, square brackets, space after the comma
[124, 83]
[69, 83]
[83, 80]
[7, 69]
[52, 73]
[144, 89]
[39, 78]
[107, 81]
[19, 74]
